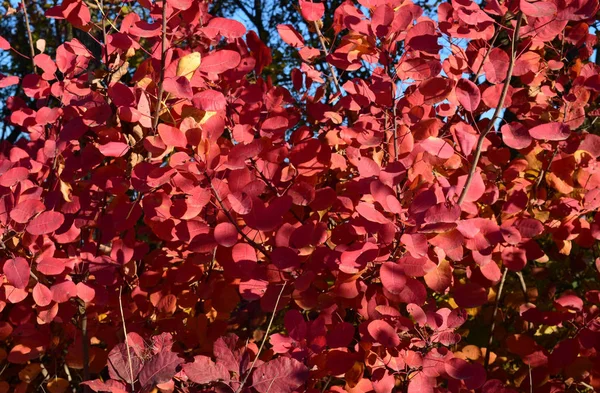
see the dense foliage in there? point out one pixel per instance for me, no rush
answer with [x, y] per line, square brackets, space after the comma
[418, 211]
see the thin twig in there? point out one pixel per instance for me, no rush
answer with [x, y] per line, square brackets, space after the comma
[490, 125]
[493, 325]
[29, 36]
[85, 344]
[162, 66]
[262, 344]
[69, 377]
[331, 68]
[126, 339]
[523, 286]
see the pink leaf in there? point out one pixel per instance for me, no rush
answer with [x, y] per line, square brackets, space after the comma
[290, 36]
[42, 295]
[383, 333]
[114, 149]
[45, 223]
[226, 234]
[404, 289]
[438, 147]
[310, 11]
[551, 131]
[220, 61]
[515, 135]
[17, 272]
[4, 44]
[26, 209]
[369, 213]
[538, 9]
[228, 28]
[13, 176]
[85, 292]
[241, 203]
[63, 291]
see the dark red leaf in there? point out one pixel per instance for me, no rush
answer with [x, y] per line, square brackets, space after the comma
[159, 369]
[203, 370]
[282, 375]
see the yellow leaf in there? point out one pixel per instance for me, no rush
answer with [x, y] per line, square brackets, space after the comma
[66, 189]
[58, 385]
[188, 64]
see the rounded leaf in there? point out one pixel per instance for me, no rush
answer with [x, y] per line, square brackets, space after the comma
[45, 223]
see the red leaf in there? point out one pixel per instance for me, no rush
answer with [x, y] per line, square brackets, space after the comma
[285, 258]
[496, 66]
[63, 291]
[179, 87]
[51, 266]
[114, 149]
[404, 289]
[421, 383]
[514, 258]
[228, 28]
[440, 278]
[172, 136]
[538, 9]
[220, 61]
[26, 209]
[159, 369]
[13, 176]
[180, 4]
[473, 374]
[436, 89]
[119, 362]
[85, 292]
[240, 202]
[282, 375]
[17, 272]
[470, 295]
[4, 45]
[210, 100]
[290, 36]
[381, 18]
[203, 370]
[468, 94]
[310, 11]
[45, 223]
[42, 295]
[226, 234]
[551, 131]
[476, 189]
[515, 135]
[383, 333]
[369, 213]
[253, 289]
[438, 147]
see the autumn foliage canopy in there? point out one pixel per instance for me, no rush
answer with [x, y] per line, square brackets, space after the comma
[417, 211]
